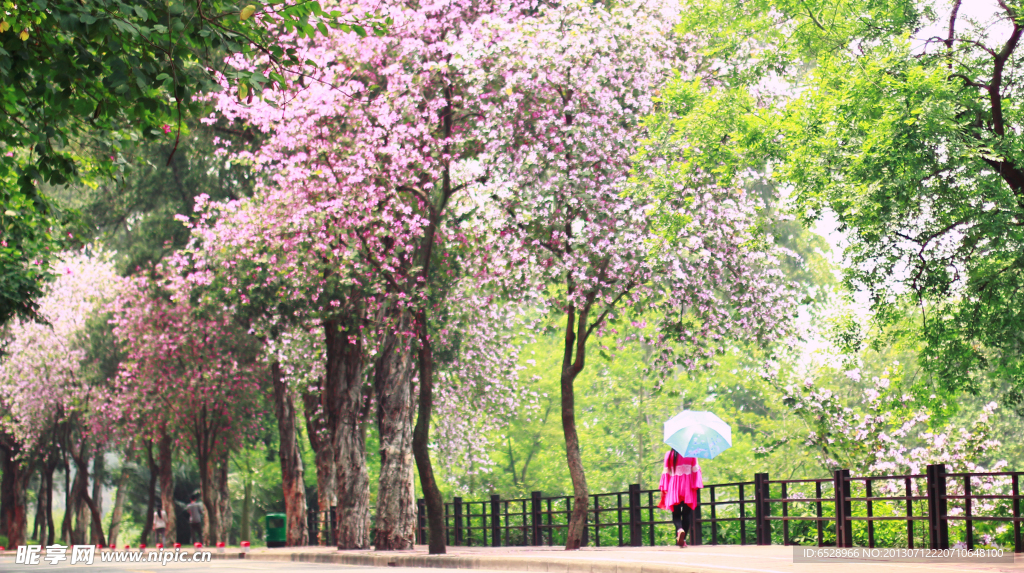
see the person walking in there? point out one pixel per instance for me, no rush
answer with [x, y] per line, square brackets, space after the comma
[195, 519]
[160, 526]
[680, 480]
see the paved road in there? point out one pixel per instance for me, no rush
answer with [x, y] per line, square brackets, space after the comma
[703, 559]
[216, 566]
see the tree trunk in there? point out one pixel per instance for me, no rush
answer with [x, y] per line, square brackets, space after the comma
[326, 470]
[243, 534]
[225, 517]
[90, 506]
[292, 474]
[396, 491]
[50, 537]
[581, 496]
[570, 369]
[96, 518]
[643, 424]
[69, 508]
[344, 404]
[122, 486]
[13, 496]
[97, 494]
[7, 475]
[79, 489]
[18, 526]
[208, 491]
[39, 523]
[154, 474]
[206, 535]
[167, 489]
[437, 540]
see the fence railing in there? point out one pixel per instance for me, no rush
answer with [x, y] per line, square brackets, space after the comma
[912, 510]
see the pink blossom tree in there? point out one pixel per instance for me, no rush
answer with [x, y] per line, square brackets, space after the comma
[191, 373]
[275, 259]
[375, 146]
[266, 256]
[46, 399]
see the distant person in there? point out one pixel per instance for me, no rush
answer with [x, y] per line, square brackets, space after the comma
[160, 526]
[680, 480]
[195, 519]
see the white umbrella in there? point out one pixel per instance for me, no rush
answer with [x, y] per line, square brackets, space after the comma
[698, 434]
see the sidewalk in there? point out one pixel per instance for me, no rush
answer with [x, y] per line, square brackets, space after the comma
[702, 559]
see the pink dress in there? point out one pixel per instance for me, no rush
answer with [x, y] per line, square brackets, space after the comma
[680, 481]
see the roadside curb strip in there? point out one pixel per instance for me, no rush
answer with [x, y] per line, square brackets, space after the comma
[485, 562]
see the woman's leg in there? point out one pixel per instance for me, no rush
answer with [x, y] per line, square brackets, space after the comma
[677, 520]
[685, 516]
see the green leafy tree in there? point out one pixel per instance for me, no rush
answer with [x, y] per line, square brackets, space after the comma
[915, 144]
[898, 118]
[27, 239]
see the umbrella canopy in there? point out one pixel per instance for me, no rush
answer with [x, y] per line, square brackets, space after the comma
[698, 434]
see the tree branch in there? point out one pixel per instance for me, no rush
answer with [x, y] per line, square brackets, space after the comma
[995, 86]
[608, 308]
[952, 24]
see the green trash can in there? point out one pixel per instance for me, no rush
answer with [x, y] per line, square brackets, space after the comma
[276, 529]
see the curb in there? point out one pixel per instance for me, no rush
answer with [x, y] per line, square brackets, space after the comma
[482, 562]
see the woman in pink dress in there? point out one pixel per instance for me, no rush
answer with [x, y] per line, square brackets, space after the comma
[680, 480]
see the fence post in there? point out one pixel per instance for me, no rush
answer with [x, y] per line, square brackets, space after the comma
[757, 509]
[743, 518]
[1018, 546]
[844, 527]
[634, 515]
[938, 527]
[458, 520]
[495, 520]
[421, 521]
[762, 509]
[871, 513]
[334, 525]
[817, 512]
[784, 494]
[535, 517]
[968, 523]
[837, 496]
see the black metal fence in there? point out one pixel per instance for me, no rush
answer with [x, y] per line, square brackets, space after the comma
[321, 521]
[913, 510]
